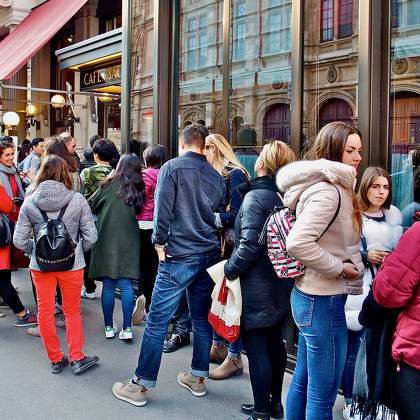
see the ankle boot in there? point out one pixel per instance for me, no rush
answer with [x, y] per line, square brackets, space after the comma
[230, 367]
[218, 353]
[259, 416]
[276, 409]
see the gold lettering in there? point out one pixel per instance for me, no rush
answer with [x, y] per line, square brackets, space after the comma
[85, 79]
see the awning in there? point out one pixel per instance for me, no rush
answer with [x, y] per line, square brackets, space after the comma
[33, 33]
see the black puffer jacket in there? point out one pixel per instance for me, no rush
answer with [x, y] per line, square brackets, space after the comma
[265, 298]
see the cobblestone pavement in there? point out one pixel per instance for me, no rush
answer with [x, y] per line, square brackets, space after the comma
[30, 391]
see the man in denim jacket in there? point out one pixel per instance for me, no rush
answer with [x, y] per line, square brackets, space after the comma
[188, 193]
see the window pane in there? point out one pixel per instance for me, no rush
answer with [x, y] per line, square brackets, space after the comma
[259, 98]
[346, 18]
[327, 19]
[405, 111]
[330, 74]
[200, 67]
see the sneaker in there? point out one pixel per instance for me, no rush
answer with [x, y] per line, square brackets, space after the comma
[86, 363]
[86, 295]
[111, 331]
[60, 323]
[57, 367]
[138, 313]
[33, 331]
[3, 303]
[348, 416]
[176, 342]
[194, 384]
[130, 392]
[126, 334]
[28, 320]
[2, 314]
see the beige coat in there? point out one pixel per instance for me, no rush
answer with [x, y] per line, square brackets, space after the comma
[308, 189]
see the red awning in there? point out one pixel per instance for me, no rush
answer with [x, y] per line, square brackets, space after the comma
[34, 32]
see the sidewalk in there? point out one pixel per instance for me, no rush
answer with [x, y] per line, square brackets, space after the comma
[30, 391]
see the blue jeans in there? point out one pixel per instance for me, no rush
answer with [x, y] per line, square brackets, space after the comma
[182, 318]
[173, 278]
[108, 300]
[234, 349]
[321, 355]
[354, 338]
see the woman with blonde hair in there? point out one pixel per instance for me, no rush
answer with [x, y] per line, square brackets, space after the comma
[265, 298]
[220, 155]
[325, 237]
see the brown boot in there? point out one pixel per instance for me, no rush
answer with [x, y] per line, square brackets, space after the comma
[218, 353]
[230, 367]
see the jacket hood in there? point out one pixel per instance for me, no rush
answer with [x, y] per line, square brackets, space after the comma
[297, 177]
[260, 183]
[51, 196]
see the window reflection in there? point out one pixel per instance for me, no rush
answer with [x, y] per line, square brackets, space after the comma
[405, 107]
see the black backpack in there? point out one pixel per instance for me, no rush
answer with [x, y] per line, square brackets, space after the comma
[54, 247]
[5, 231]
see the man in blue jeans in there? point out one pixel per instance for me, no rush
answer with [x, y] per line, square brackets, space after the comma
[186, 239]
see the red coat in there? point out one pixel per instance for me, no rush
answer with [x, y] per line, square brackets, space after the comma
[6, 206]
[397, 285]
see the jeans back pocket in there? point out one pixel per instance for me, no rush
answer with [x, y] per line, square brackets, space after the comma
[302, 308]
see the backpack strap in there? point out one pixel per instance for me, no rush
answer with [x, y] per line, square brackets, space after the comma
[335, 215]
[63, 210]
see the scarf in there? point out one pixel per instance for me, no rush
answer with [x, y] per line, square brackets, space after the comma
[5, 172]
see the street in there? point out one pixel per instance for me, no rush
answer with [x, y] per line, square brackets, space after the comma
[30, 391]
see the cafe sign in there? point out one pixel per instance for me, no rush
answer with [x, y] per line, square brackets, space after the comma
[95, 78]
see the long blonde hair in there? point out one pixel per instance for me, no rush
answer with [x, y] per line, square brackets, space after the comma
[224, 157]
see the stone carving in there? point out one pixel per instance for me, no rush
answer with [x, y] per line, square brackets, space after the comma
[400, 66]
[332, 74]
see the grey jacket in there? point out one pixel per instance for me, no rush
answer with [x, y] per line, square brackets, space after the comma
[51, 197]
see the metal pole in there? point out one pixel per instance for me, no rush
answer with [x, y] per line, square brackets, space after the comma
[126, 75]
[226, 69]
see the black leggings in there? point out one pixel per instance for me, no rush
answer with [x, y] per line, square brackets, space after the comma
[8, 292]
[90, 285]
[148, 265]
[407, 392]
[267, 358]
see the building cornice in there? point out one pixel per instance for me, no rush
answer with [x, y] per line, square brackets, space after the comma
[12, 16]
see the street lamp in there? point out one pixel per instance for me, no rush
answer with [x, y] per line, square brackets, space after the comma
[11, 119]
[58, 101]
[31, 111]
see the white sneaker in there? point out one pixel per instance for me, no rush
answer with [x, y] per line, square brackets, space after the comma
[86, 295]
[126, 334]
[2, 314]
[111, 331]
[346, 413]
[138, 312]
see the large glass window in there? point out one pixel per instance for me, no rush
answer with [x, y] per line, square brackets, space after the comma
[200, 63]
[330, 69]
[260, 75]
[405, 107]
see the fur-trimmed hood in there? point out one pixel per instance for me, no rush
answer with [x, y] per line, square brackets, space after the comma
[297, 177]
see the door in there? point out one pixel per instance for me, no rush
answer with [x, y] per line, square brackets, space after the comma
[277, 123]
[335, 110]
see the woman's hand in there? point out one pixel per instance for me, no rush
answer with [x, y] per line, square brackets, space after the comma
[350, 272]
[376, 257]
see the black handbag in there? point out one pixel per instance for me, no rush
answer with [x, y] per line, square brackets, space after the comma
[6, 231]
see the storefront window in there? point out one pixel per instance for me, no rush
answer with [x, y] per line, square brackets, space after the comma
[200, 63]
[330, 69]
[405, 108]
[260, 71]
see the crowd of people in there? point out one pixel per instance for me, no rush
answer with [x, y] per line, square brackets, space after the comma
[159, 224]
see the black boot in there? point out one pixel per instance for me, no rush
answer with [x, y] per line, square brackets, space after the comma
[259, 416]
[276, 409]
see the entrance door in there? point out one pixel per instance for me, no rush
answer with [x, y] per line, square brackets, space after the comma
[277, 123]
[335, 110]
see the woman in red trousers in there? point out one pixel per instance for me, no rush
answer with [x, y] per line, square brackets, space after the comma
[53, 195]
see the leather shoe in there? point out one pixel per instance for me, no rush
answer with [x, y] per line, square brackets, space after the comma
[86, 363]
[276, 409]
[176, 342]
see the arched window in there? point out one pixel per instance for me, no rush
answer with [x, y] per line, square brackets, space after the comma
[335, 110]
[237, 123]
[277, 123]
